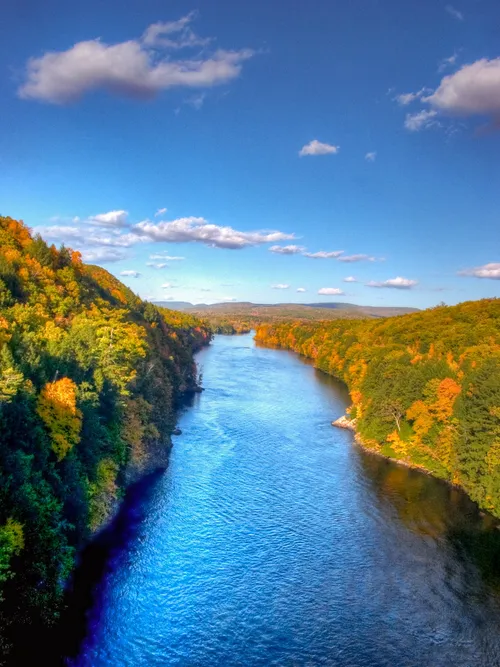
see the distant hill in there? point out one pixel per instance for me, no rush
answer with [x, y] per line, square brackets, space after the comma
[287, 310]
[374, 311]
[174, 305]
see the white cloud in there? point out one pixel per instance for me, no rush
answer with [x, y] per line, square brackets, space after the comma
[491, 271]
[301, 289]
[196, 101]
[168, 286]
[356, 258]
[447, 62]
[79, 237]
[198, 230]
[110, 219]
[102, 255]
[350, 279]
[229, 298]
[168, 258]
[404, 99]
[323, 254]
[60, 233]
[160, 211]
[121, 241]
[371, 157]
[155, 34]
[458, 15]
[330, 291]
[130, 274]
[155, 265]
[420, 120]
[316, 147]
[287, 249]
[280, 286]
[135, 68]
[397, 283]
[472, 90]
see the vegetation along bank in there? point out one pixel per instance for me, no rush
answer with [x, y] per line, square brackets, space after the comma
[90, 380]
[425, 387]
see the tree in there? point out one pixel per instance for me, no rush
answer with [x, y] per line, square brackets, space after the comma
[58, 411]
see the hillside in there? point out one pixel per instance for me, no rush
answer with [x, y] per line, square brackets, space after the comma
[283, 309]
[425, 387]
[90, 380]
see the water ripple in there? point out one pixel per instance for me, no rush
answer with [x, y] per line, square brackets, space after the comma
[273, 540]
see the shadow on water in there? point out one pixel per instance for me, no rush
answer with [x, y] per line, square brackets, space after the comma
[85, 591]
[432, 508]
[425, 504]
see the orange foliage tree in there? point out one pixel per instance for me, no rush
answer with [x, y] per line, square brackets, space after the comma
[57, 409]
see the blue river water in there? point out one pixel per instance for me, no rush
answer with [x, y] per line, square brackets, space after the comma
[272, 539]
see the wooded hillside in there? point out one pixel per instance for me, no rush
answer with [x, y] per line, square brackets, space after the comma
[90, 378]
[425, 387]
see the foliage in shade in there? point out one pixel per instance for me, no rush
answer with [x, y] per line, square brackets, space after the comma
[425, 387]
[90, 380]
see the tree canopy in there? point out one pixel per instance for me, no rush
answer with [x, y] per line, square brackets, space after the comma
[90, 379]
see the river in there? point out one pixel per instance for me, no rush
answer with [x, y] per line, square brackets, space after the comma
[272, 539]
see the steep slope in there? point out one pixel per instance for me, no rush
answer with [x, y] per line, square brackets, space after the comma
[90, 379]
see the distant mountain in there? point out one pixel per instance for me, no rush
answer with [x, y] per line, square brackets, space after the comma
[287, 309]
[174, 305]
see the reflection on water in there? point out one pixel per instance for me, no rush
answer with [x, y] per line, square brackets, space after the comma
[273, 540]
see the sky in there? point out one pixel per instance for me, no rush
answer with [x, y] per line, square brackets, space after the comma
[260, 150]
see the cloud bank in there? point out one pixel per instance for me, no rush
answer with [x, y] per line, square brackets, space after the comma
[491, 271]
[199, 230]
[138, 68]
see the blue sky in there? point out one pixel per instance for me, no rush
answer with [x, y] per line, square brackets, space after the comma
[365, 131]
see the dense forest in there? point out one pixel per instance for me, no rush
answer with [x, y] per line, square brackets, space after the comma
[90, 380]
[425, 387]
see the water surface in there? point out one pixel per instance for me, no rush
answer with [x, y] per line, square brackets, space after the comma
[273, 540]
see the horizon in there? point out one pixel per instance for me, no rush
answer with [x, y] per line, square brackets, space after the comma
[225, 152]
[319, 304]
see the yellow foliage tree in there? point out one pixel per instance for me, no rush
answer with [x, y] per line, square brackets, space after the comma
[57, 409]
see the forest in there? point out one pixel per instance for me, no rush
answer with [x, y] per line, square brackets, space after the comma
[425, 387]
[90, 381]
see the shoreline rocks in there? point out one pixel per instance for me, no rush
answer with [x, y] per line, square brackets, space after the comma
[345, 422]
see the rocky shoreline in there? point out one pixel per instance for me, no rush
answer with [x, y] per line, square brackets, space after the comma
[350, 425]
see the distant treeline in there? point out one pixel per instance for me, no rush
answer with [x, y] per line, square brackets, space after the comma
[425, 387]
[223, 326]
[90, 379]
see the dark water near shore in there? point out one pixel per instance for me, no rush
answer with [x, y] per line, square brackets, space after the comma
[273, 540]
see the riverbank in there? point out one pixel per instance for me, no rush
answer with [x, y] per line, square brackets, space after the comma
[372, 447]
[424, 387]
[244, 552]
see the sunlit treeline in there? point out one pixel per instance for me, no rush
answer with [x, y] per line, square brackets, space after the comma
[425, 387]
